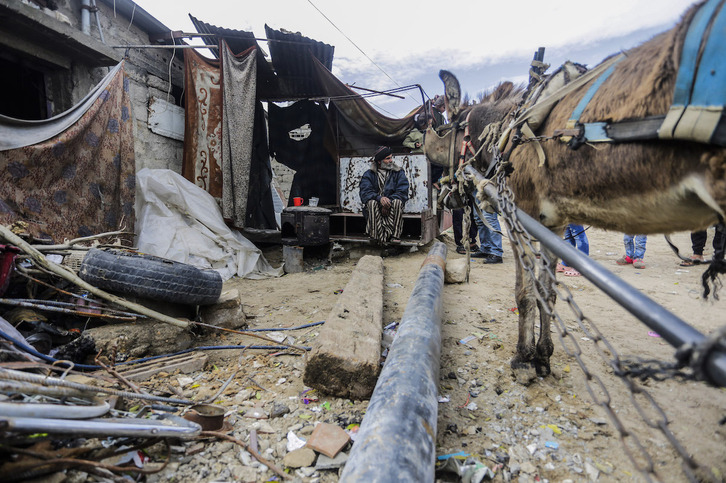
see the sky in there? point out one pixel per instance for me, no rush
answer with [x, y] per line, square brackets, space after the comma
[385, 44]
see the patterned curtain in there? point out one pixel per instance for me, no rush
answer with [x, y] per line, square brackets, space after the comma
[81, 180]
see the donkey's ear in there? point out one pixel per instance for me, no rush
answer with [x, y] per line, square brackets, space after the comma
[452, 92]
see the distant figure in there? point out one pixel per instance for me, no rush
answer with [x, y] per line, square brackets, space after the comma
[384, 192]
[457, 224]
[439, 109]
[575, 234]
[634, 251]
[414, 139]
[698, 243]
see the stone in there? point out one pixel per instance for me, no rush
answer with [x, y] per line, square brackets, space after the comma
[325, 463]
[227, 312]
[299, 458]
[279, 410]
[328, 439]
[455, 271]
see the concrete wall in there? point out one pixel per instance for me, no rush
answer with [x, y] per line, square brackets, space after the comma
[149, 74]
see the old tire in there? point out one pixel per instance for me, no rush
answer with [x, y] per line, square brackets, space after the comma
[150, 277]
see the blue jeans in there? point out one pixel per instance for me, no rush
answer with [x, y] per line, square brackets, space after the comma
[489, 241]
[635, 245]
[575, 234]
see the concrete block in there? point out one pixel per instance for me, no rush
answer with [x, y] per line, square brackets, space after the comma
[293, 258]
[345, 358]
[227, 312]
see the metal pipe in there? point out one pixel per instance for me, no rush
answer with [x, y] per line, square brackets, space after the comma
[397, 438]
[140, 428]
[673, 329]
[86, 17]
[59, 411]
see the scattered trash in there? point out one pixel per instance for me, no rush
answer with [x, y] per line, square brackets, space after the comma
[394, 285]
[338, 292]
[467, 339]
[653, 334]
[444, 399]
[294, 442]
[552, 444]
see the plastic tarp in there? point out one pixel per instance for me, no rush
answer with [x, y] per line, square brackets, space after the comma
[182, 222]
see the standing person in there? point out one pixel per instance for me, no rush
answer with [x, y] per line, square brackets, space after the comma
[457, 224]
[698, 243]
[490, 240]
[575, 234]
[634, 251]
[384, 192]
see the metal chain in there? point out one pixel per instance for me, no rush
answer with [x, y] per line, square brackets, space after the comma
[532, 260]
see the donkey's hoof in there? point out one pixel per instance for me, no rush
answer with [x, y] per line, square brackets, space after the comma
[543, 368]
[524, 372]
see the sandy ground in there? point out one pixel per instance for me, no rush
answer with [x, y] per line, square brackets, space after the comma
[549, 430]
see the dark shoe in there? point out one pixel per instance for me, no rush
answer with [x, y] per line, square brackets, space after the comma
[479, 254]
[460, 250]
[492, 259]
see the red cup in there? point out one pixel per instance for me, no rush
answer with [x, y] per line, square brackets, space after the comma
[297, 201]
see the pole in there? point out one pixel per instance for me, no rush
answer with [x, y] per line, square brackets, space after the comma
[397, 438]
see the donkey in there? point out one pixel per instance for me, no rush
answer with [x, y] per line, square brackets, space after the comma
[643, 186]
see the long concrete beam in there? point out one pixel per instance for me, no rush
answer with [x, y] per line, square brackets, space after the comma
[397, 438]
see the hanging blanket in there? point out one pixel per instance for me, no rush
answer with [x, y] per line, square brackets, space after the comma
[202, 163]
[72, 175]
[239, 81]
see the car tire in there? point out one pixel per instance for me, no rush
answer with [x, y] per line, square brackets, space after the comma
[132, 273]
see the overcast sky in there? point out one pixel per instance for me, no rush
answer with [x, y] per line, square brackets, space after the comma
[383, 44]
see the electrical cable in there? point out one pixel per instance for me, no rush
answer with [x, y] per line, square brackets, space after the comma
[93, 367]
[356, 46]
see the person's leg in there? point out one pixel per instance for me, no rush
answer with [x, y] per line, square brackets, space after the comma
[396, 219]
[582, 243]
[698, 242]
[639, 252]
[483, 233]
[639, 242]
[374, 222]
[494, 246]
[629, 250]
[719, 239]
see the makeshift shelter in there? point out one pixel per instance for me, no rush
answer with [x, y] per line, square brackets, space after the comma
[315, 125]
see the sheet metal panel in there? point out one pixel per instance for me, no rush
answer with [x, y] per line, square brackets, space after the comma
[415, 167]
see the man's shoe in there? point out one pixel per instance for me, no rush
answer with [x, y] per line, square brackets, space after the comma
[638, 263]
[479, 254]
[492, 259]
[460, 250]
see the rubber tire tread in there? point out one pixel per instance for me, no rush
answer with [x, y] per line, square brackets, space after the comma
[151, 277]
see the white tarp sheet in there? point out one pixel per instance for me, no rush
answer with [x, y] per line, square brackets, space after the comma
[178, 220]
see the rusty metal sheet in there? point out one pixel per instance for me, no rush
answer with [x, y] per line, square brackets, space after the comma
[414, 165]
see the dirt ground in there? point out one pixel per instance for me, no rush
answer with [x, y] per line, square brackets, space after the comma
[547, 431]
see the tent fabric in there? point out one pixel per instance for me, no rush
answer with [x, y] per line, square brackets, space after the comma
[17, 133]
[239, 76]
[363, 118]
[81, 181]
[180, 221]
[202, 159]
[301, 139]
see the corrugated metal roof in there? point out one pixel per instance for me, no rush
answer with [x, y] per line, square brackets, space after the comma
[290, 75]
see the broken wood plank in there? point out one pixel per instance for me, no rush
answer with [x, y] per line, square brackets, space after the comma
[345, 358]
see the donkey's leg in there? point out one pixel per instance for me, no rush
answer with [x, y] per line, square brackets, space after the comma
[523, 361]
[544, 344]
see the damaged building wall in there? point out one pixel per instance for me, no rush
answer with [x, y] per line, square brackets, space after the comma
[69, 78]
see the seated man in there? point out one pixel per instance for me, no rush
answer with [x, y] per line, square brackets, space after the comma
[384, 192]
